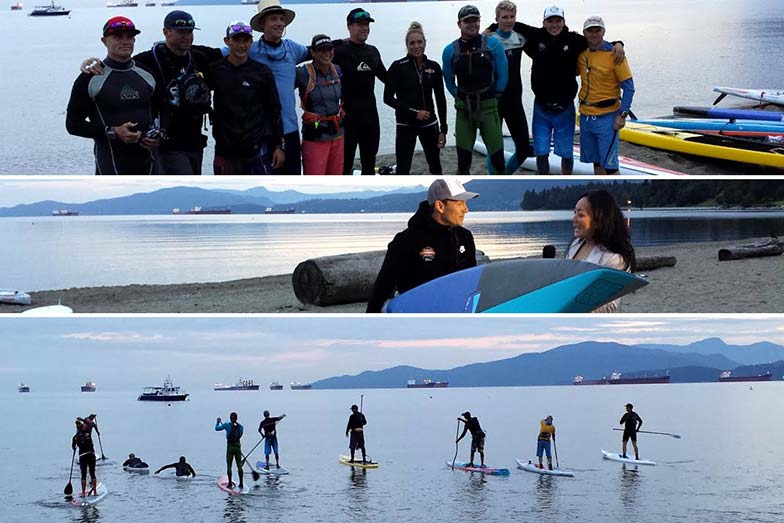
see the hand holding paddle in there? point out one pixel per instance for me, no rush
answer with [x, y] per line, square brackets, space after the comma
[676, 436]
[68, 490]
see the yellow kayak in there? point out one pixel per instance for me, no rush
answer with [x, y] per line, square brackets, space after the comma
[710, 146]
[346, 460]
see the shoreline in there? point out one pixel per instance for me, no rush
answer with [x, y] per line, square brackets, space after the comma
[698, 283]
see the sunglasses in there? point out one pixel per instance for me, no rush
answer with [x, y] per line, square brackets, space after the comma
[120, 24]
[239, 28]
[184, 23]
[363, 14]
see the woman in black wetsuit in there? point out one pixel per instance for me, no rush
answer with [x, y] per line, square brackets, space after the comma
[411, 83]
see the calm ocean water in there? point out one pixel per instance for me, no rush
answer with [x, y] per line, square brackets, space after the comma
[723, 469]
[56, 253]
[677, 51]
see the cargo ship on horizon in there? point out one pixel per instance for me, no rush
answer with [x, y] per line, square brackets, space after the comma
[616, 379]
[271, 210]
[426, 384]
[203, 210]
[240, 385]
[300, 386]
[727, 377]
[275, 385]
[65, 212]
[89, 386]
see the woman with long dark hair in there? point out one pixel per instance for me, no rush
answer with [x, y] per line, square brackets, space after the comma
[601, 236]
[411, 83]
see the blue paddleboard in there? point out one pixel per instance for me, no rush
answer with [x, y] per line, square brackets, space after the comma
[518, 286]
[727, 126]
[744, 114]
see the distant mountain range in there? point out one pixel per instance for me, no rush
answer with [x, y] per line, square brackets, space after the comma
[701, 361]
[495, 195]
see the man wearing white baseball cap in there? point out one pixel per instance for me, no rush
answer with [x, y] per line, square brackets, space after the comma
[603, 109]
[434, 244]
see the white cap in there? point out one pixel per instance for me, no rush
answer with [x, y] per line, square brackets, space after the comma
[553, 11]
[448, 189]
[593, 21]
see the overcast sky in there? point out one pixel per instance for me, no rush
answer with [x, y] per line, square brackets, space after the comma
[129, 353]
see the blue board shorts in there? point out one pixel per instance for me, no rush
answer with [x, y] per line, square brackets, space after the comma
[555, 126]
[270, 444]
[542, 446]
[598, 140]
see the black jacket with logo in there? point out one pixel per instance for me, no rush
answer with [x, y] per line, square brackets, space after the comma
[426, 250]
[360, 64]
[408, 89]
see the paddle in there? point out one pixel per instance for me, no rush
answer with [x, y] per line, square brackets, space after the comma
[254, 448]
[101, 446]
[457, 434]
[68, 490]
[676, 436]
[555, 448]
[255, 474]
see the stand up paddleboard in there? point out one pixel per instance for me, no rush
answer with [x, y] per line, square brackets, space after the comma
[613, 456]
[742, 128]
[762, 96]
[14, 297]
[715, 112]
[516, 286]
[346, 460]
[78, 501]
[49, 310]
[273, 470]
[490, 471]
[223, 484]
[137, 470]
[530, 467]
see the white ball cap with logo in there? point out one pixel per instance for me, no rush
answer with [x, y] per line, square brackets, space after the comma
[448, 189]
[553, 11]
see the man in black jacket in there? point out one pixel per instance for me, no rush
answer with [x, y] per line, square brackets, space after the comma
[433, 245]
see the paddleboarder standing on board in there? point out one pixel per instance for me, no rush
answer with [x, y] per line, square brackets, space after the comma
[434, 244]
[632, 423]
[270, 436]
[355, 428]
[181, 468]
[546, 433]
[84, 441]
[233, 447]
[477, 437]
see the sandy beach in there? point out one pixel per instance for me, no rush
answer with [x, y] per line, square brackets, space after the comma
[698, 283]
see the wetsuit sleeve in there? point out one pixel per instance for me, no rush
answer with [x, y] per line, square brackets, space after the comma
[465, 431]
[579, 43]
[449, 74]
[438, 91]
[220, 426]
[639, 419]
[386, 281]
[500, 63]
[390, 89]
[471, 249]
[528, 31]
[80, 107]
[627, 87]
[364, 419]
[272, 98]
[623, 419]
[381, 70]
[348, 425]
[193, 472]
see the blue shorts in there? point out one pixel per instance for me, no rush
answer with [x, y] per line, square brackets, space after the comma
[542, 446]
[598, 140]
[555, 126]
[270, 444]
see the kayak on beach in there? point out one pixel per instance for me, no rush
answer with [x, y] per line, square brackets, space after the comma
[715, 112]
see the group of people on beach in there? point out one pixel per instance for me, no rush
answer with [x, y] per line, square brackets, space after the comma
[145, 112]
[435, 243]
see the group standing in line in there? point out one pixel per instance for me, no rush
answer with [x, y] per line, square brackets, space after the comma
[145, 112]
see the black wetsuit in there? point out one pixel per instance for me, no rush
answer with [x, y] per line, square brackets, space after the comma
[477, 434]
[84, 441]
[134, 463]
[408, 89]
[180, 469]
[554, 63]
[360, 64]
[424, 251]
[123, 93]
[629, 421]
[182, 152]
[247, 108]
[357, 437]
[267, 428]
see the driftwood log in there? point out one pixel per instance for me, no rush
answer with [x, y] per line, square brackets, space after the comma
[772, 247]
[344, 278]
[649, 263]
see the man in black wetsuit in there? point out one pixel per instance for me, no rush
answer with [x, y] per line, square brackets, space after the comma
[477, 437]
[433, 245]
[84, 441]
[134, 462]
[181, 468]
[356, 429]
[632, 423]
[360, 64]
[267, 429]
[117, 109]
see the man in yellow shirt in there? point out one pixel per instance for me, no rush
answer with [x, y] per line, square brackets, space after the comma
[546, 433]
[603, 110]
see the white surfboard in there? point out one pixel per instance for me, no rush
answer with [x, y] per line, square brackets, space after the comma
[613, 456]
[78, 501]
[49, 310]
[530, 467]
[272, 471]
[770, 96]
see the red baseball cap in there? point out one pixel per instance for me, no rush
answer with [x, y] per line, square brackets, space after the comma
[119, 24]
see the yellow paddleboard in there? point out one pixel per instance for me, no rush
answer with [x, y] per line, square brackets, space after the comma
[346, 460]
[701, 145]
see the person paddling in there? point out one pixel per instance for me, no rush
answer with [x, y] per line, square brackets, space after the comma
[356, 427]
[134, 462]
[233, 447]
[270, 436]
[632, 423]
[546, 433]
[181, 468]
[84, 441]
[477, 437]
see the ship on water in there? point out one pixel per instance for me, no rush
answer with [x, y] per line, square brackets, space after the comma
[49, 10]
[727, 377]
[17, 6]
[240, 385]
[426, 384]
[616, 379]
[275, 386]
[272, 210]
[89, 386]
[124, 3]
[295, 385]
[168, 392]
[65, 212]
[203, 210]
[23, 388]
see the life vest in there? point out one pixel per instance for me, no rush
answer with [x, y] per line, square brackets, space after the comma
[310, 118]
[479, 75]
[234, 434]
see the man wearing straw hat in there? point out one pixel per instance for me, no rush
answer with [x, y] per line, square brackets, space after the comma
[282, 56]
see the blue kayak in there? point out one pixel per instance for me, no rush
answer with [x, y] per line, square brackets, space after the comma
[744, 114]
[748, 128]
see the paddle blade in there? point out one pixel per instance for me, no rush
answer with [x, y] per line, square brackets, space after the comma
[721, 97]
[256, 476]
[68, 490]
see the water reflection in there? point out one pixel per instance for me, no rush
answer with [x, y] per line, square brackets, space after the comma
[234, 511]
[89, 514]
[630, 481]
[545, 492]
[357, 494]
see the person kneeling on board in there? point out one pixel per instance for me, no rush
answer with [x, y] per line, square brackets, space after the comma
[632, 423]
[134, 462]
[477, 437]
[355, 427]
[270, 437]
[233, 446]
[546, 432]
[84, 441]
[434, 244]
[181, 468]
